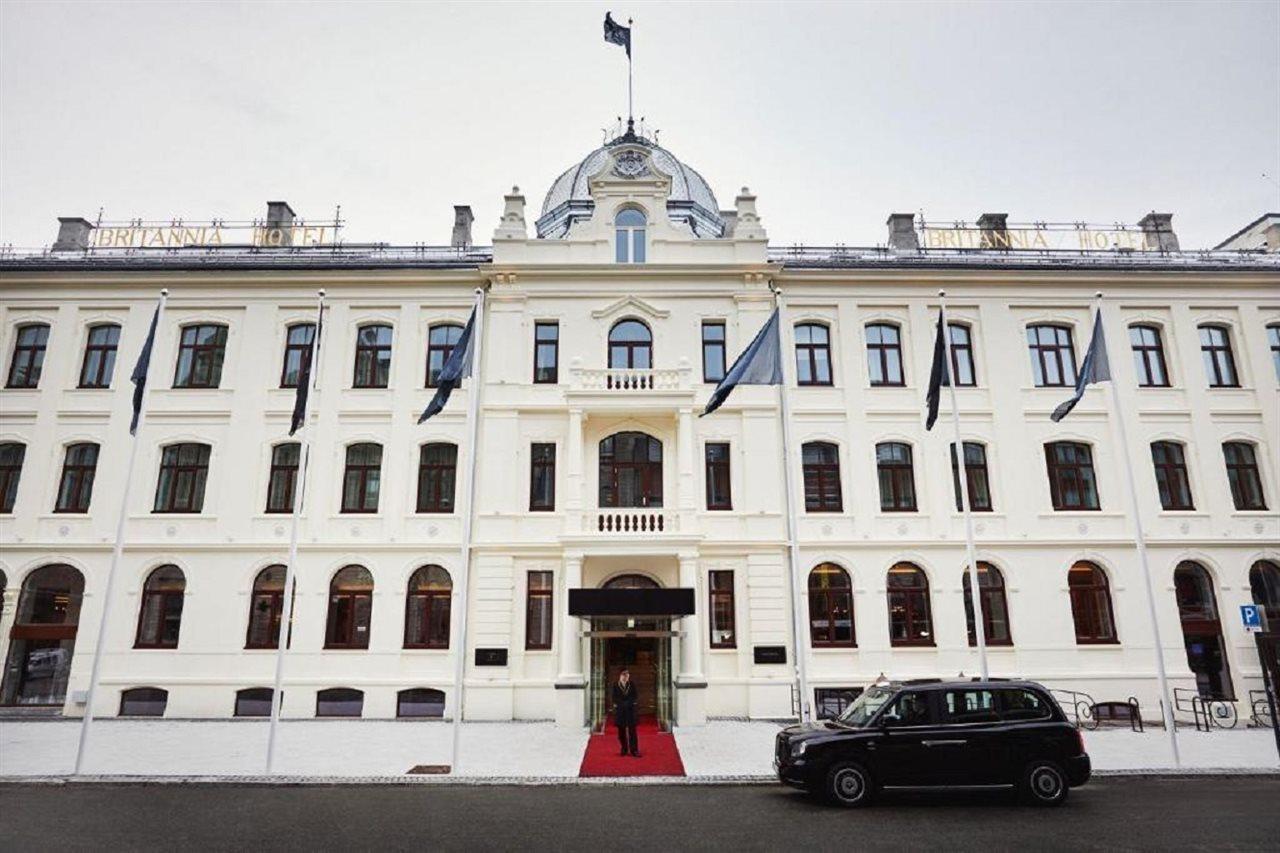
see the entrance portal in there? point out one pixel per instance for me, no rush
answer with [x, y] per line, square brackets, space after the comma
[641, 644]
[1202, 631]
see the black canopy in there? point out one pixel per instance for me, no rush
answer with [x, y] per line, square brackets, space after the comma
[631, 602]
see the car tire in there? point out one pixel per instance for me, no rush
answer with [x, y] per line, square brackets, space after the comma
[1044, 784]
[848, 785]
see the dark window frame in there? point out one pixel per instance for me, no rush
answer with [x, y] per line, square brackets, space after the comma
[961, 355]
[437, 478]
[273, 611]
[714, 351]
[27, 358]
[916, 606]
[881, 372]
[11, 473]
[199, 365]
[170, 497]
[423, 597]
[810, 369]
[542, 470]
[823, 491]
[97, 368]
[993, 597]
[253, 694]
[164, 601]
[1072, 476]
[1273, 341]
[1092, 611]
[1058, 353]
[1243, 476]
[630, 237]
[1173, 481]
[336, 695]
[1218, 356]
[368, 365]
[549, 373]
[720, 594]
[439, 348]
[280, 495]
[535, 597]
[647, 473]
[977, 477]
[1148, 355]
[75, 486]
[297, 354]
[365, 473]
[140, 701]
[718, 475]
[629, 350]
[419, 696]
[349, 600]
[896, 477]
[830, 600]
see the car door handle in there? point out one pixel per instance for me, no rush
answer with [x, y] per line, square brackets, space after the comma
[944, 742]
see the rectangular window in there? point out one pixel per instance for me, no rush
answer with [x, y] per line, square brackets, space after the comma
[712, 350]
[283, 476]
[362, 479]
[11, 456]
[28, 356]
[884, 354]
[76, 487]
[723, 633]
[373, 357]
[1072, 485]
[99, 356]
[546, 353]
[184, 469]
[1243, 475]
[1148, 357]
[1172, 481]
[813, 354]
[897, 477]
[538, 611]
[718, 491]
[297, 353]
[832, 701]
[201, 349]
[1219, 361]
[1273, 340]
[437, 476]
[961, 357]
[542, 477]
[1053, 358]
[975, 469]
[821, 468]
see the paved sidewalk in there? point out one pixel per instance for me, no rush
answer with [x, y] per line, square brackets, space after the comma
[384, 750]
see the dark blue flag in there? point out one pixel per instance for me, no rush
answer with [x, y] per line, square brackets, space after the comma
[139, 375]
[938, 375]
[759, 364]
[615, 33]
[1096, 368]
[457, 368]
[304, 376]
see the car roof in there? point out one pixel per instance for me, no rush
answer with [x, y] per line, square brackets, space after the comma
[953, 683]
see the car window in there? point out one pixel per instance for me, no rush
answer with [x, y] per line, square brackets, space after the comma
[909, 709]
[1023, 705]
[970, 706]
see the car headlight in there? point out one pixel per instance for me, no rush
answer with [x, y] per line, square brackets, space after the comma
[798, 748]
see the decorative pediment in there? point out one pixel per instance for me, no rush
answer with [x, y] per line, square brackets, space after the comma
[630, 305]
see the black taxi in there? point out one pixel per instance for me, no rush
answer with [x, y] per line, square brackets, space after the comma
[935, 734]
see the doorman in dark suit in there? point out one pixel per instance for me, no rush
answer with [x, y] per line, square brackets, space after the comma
[624, 713]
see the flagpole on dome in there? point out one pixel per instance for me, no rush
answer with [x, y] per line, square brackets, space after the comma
[139, 379]
[615, 33]
[308, 375]
[1117, 415]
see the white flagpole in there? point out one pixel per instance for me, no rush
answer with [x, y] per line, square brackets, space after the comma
[975, 591]
[797, 589]
[1140, 540]
[468, 514]
[290, 567]
[100, 648]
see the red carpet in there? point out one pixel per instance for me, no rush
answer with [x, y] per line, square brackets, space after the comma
[659, 755]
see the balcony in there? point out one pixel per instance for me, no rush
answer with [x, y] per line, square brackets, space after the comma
[625, 521]
[628, 390]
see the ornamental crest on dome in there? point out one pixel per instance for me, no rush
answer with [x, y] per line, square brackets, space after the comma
[630, 164]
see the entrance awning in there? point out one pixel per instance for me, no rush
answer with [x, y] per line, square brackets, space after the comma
[631, 602]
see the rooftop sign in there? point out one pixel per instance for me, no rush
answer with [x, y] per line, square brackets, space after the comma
[1077, 237]
[140, 235]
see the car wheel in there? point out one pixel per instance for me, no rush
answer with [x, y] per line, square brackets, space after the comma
[1044, 784]
[848, 785]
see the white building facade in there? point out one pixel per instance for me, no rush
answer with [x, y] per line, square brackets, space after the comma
[608, 322]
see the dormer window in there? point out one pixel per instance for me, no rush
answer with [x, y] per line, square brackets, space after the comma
[629, 241]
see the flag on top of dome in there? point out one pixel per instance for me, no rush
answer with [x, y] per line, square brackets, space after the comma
[615, 33]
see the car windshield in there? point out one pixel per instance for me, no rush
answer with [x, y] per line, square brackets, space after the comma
[865, 706]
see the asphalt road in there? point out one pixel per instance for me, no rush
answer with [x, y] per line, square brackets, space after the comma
[1184, 813]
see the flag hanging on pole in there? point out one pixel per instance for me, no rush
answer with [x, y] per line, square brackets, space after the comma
[759, 364]
[1096, 368]
[457, 368]
[139, 375]
[615, 33]
[304, 375]
[938, 375]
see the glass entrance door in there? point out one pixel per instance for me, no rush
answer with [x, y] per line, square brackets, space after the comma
[642, 646]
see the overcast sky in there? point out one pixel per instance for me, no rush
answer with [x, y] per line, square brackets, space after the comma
[835, 114]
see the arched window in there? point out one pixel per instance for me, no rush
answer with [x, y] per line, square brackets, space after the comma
[143, 702]
[78, 469]
[1053, 357]
[995, 608]
[910, 615]
[201, 349]
[813, 354]
[184, 470]
[266, 609]
[629, 242]
[897, 477]
[1202, 630]
[283, 477]
[350, 609]
[253, 702]
[420, 702]
[437, 473]
[1264, 585]
[427, 609]
[100, 356]
[441, 340]
[630, 346]
[297, 353]
[630, 581]
[1148, 357]
[339, 702]
[362, 479]
[820, 461]
[12, 454]
[1091, 604]
[831, 607]
[1243, 475]
[28, 356]
[373, 356]
[43, 637]
[160, 617]
[1172, 482]
[884, 354]
[630, 470]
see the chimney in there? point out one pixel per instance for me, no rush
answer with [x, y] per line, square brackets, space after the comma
[746, 223]
[512, 225]
[995, 231]
[1158, 229]
[462, 219]
[902, 232]
[279, 226]
[73, 234]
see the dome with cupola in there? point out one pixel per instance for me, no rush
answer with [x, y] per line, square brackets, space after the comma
[635, 156]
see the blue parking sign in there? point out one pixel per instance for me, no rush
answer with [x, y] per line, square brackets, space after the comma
[1251, 616]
